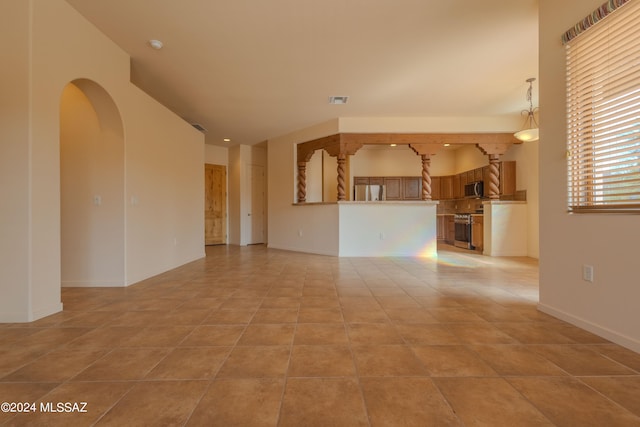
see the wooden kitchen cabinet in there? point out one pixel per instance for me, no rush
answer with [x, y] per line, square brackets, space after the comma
[393, 187]
[508, 181]
[446, 187]
[411, 188]
[360, 180]
[440, 226]
[463, 182]
[507, 178]
[450, 230]
[477, 233]
[458, 192]
[435, 188]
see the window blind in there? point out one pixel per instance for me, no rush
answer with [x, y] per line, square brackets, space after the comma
[603, 114]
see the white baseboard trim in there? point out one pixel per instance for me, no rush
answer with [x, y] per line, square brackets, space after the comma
[92, 284]
[29, 316]
[47, 311]
[606, 333]
[302, 250]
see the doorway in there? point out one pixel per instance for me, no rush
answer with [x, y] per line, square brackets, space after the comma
[92, 192]
[257, 208]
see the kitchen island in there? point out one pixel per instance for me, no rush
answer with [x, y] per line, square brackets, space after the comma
[367, 229]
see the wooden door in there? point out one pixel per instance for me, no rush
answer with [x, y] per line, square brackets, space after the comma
[215, 204]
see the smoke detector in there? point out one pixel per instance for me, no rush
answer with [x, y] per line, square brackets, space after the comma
[156, 44]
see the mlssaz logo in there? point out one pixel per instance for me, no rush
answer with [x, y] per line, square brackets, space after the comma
[63, 406]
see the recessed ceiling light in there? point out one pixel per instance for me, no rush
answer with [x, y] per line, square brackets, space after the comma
[156, 44]
[338, 100]
[227, 140]
[446, 145]
[393, 145]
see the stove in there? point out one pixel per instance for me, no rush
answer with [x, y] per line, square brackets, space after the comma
[463, 222]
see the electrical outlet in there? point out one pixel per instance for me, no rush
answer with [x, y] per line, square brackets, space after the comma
[587, 273]
[381, 236]
[300, 232]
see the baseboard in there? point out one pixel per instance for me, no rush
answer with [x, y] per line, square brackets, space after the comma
[302, 250]
[26, 317]
[606, 333]
[47, 311]
[92, 284]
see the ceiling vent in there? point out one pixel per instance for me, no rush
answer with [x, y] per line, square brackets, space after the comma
[338, 99]
[199, 127]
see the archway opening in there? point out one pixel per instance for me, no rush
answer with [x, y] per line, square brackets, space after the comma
[91, 187]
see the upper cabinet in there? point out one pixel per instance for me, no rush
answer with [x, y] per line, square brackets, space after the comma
[412, 188]
[393, 188]
[446, 187]
[507, 178]
[452, 186]
[396, 187]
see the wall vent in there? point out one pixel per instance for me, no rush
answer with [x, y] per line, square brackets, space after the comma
[338, 99]
[199, 127]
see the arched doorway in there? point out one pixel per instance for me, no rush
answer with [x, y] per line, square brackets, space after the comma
[91, 187]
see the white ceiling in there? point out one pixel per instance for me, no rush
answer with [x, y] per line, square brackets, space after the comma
[250, 70]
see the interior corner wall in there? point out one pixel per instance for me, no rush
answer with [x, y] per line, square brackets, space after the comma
[285, 220]
[609, 305]
[526, 157]
[15, 243]
[241, 159]
[234, 199]
[48, 44]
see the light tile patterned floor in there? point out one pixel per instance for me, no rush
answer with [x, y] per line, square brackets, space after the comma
[257, 337]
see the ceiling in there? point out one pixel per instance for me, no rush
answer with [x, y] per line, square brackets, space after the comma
[250, 70]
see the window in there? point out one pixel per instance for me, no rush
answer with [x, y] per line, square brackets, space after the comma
[603, 110]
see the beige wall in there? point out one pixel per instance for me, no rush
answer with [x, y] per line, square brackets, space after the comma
[609, 305]
[50, 45]
[15, 244]
[216, 155]
[285, 221]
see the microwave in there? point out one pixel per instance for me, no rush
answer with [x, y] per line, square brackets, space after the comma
[474, 189]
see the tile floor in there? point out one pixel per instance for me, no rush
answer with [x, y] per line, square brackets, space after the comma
[258, 337]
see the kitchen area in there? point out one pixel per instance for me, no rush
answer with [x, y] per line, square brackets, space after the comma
[466, 217]
[360, 195]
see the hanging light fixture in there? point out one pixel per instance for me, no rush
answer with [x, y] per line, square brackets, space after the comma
[529, 130]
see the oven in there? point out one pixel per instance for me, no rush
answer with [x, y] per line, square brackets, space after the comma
[462, 224]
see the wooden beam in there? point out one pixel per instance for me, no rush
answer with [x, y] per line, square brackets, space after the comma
[493, 148]
[306, 149]
[426, 149]
[421, 143]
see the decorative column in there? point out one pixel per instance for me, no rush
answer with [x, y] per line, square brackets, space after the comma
[344, 146]
[302, 182]
[494, 151]
[426, 177]
[425, 150]
[494, 176]
[342, 159]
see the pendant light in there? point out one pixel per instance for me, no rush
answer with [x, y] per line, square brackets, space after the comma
[529, 130]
